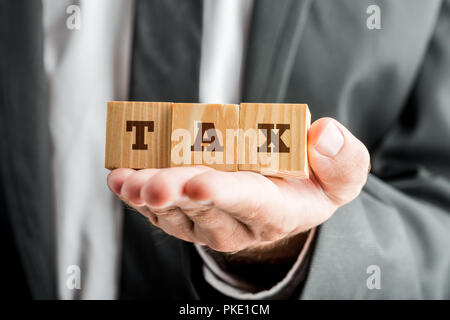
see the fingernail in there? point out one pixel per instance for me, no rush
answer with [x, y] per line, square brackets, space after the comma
[330, 141]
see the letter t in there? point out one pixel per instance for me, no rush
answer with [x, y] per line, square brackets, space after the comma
[140, 132]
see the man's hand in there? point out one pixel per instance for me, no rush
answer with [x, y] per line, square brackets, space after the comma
[245, 211]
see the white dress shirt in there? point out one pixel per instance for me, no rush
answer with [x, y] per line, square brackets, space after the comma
[85, 68]
[225, 29]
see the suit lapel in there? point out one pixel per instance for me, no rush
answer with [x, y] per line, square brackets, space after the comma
[274, 38]
[25, 146]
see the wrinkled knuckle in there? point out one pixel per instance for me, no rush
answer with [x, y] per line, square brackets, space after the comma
[166, 212]
[227, 242]
[218, 243]
[202, 216]
[271, 233]
[269, 236]
[153, 219]
[195, 212]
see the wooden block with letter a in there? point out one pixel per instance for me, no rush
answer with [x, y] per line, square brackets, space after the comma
[138, 135]
[273, 139]
[205, 134]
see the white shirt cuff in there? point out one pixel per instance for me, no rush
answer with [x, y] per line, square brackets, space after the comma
[235, 288]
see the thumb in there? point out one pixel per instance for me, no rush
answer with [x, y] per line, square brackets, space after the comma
[339, 161]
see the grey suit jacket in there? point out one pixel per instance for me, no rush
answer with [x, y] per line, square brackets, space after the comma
[390, 87]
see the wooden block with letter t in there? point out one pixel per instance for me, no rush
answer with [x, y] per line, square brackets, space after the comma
[138, 135]
[273, 139]
[205, 134]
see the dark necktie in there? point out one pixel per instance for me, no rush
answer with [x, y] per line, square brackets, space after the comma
[166, 50]
[165, 67]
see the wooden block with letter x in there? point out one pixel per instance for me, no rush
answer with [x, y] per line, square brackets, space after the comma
[138, 135]
[273, 139]
[205, 134]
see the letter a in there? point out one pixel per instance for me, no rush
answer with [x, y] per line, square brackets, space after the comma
[74, 279]
[374, 280]
[73, 22]
[374, 20]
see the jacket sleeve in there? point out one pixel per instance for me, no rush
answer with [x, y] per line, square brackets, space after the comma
[393, 241]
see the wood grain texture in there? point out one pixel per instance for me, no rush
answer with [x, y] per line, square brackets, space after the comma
[219, 147]
[291, 160]
[121, 135]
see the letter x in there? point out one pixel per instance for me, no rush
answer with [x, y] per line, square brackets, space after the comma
[280, 146]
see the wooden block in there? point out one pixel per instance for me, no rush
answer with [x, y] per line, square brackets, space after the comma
[273, 139]
[205, 134]
[138, 135]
